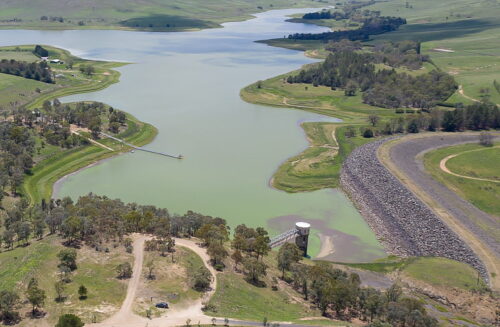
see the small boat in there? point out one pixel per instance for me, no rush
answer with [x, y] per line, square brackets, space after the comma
[132, 151]
[180, 156]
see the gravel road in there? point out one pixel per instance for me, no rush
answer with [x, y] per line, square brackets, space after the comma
[402, 222]
[408, 157]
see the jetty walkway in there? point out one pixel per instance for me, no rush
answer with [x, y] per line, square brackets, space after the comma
[141, 148]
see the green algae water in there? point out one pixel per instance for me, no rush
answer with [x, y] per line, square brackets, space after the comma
[187, 85]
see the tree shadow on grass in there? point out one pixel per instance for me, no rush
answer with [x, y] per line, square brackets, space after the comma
[166, 22]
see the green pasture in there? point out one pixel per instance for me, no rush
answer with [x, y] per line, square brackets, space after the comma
[162, 15]
[483, 194]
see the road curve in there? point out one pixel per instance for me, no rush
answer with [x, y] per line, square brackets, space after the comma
[442, 166]
[481, 231]
[175, 317]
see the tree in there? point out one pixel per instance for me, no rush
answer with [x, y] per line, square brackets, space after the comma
[393, 293]
[8, 238]
[237, 257]
[350, 131]
[373, 120]
[254, 269]
[69, 320]
[351, 88]
[368, 133]
[60, 287]
[72, 228]
[486, 139]
[151, 266]
[35, 296]
[201, 279]
[413, 126]
[288, 254]
[124, 270]
[67, 258]
[261, 245]
[217, 253]
[8, 302]
[82, 292]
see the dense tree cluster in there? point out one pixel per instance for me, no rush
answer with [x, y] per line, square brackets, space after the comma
[371, 26]
[39, 71]
[398, 54]
[395, 90]
[53, 120]
[478, 116]
[325, 14]
[387, 88]
[40, 51]
[16, 155]
[337, 293]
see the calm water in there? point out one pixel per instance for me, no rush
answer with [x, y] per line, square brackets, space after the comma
[187, 85]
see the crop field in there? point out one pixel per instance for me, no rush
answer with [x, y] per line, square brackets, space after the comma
[483, 194]
[135, 14]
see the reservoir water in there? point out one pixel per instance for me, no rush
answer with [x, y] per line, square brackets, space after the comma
[187, 85]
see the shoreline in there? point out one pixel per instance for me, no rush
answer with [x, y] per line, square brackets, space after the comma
[56, 186]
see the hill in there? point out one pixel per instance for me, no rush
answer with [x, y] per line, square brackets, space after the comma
[135, 14]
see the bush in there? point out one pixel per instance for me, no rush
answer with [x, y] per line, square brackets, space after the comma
[69, 320]
[368, 133]
[201, 279]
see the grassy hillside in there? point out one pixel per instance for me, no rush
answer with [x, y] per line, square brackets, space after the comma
[96, 270]
[17, 91]
[470, 29]
[135, 14]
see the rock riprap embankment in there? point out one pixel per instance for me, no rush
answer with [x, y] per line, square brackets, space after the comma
[401, 221]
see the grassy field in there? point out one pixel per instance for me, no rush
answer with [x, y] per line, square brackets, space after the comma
[17, 91]
[482, 163]
[60, 163]
[439, 272]
[171, 282]
[469, 28]
[322, 100]
[442, 272]
[238, 299]
[96, 270]
[319, 165]
[484, 195]
[164, 15]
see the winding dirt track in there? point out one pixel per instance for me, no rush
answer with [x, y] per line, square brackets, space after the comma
[481, 231]
[125, 316]
[442, 166]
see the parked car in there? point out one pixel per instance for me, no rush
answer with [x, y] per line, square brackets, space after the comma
[162, 305]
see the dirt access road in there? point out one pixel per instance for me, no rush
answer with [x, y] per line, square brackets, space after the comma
[481, 231]
[125, 316]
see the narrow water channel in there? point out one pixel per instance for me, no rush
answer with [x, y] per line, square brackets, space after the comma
[187, 85]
